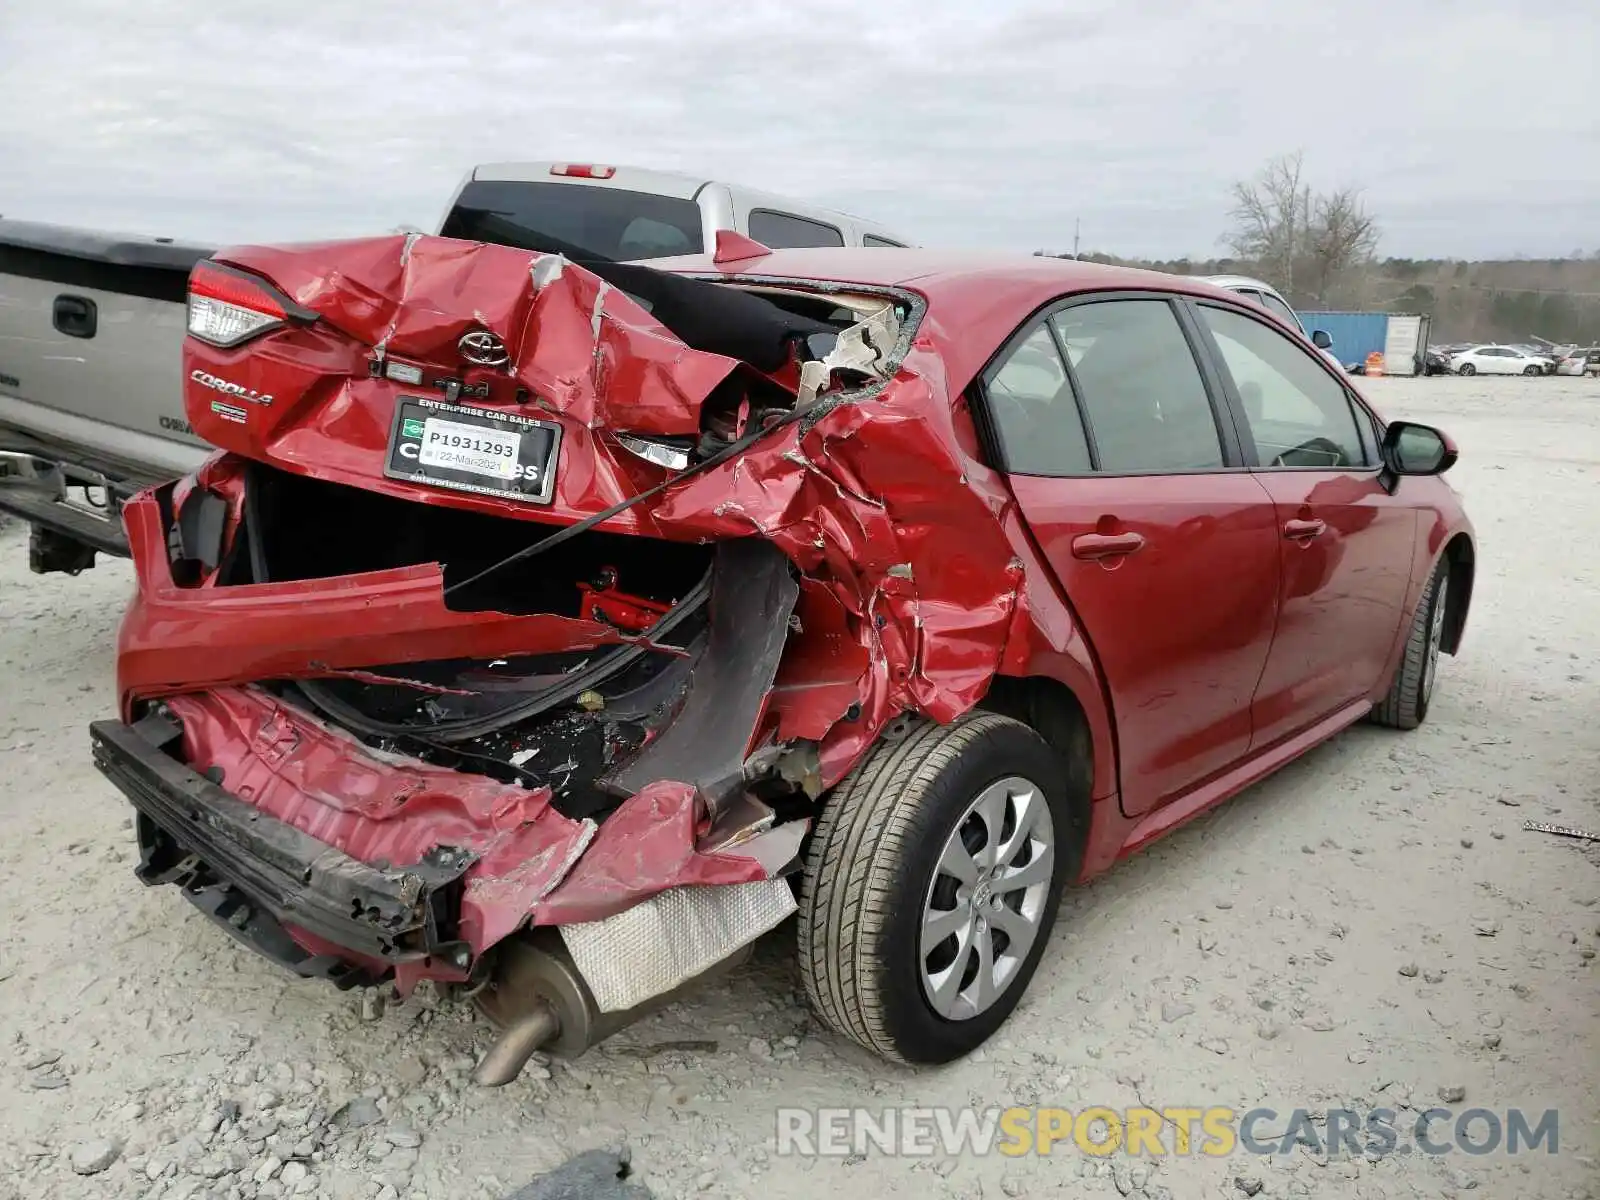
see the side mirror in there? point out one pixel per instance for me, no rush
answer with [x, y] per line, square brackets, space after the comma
[1412, 449]
[1321, 340]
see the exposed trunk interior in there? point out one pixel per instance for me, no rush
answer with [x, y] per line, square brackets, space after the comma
[558, 720]
[303, 528]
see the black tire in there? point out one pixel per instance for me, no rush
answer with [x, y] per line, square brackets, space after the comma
[1467, 369]
[1406, 705]
[1532, 371]
[872, 864]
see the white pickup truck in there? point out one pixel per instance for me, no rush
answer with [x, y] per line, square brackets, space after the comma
[92, 324]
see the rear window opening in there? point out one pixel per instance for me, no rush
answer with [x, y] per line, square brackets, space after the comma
[305, 528]
[580, 221]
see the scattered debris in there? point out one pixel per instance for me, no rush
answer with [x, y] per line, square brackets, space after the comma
[1452, 1095]
[90, 1158]
[1561, 831]
[593, 1175]
[358, 1114]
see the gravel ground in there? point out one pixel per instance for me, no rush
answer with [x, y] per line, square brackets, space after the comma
[1370, 926]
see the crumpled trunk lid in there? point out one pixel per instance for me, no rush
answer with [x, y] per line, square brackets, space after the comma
[866, 564]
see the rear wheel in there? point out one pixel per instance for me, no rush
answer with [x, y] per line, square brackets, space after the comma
[1406, 705]
[1467, 369]
[931, 885]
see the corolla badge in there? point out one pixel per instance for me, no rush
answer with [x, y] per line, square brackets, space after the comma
[483, 349]
[228, 388]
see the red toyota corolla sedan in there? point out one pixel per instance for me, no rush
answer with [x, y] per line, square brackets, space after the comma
[552, 631]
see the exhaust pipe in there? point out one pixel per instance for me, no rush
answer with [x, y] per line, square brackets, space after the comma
[539, 1001]
[507, 1057]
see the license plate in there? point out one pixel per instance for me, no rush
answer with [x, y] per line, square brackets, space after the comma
[473, 450]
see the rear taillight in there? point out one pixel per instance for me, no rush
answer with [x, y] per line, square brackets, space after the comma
[227, 307]
[583, 171]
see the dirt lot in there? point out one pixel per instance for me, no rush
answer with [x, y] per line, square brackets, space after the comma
[1370, 927]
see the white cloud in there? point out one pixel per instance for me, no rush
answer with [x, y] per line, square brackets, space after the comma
[1471, 126]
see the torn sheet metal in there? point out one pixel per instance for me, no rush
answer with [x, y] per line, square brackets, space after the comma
[917, 583]
[669, 939]
[387, 809]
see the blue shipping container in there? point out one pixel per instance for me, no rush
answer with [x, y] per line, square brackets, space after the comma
[1355, 334]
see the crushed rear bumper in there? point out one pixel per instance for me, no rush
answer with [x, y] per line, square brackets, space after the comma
[258, 877]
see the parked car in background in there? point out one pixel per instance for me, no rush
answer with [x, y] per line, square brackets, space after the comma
[1584, 361]
[626, 632]
[91, 324]
[1499, 360]
[1436, 360]
[1259, 291]
[1547, 354]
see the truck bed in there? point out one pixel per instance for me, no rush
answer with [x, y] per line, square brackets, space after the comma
[91, 397]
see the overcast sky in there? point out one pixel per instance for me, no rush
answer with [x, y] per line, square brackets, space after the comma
[1473, 126]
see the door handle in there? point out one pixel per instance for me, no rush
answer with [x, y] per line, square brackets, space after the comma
[1304, 531]
[1096, 546]
[75, 316]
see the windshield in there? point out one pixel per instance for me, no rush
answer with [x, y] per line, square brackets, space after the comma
[579, 221]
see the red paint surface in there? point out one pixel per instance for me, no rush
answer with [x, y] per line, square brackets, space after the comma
[1194, 608]
[926, 573]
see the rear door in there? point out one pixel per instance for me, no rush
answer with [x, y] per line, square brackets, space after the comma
[1166, 547]
[1345, 543]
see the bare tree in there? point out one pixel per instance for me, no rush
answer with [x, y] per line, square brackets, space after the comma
[1342, 235]
[1303, 242]
[1270, 215]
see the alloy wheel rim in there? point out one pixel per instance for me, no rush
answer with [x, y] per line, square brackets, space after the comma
[1435, 638]
[987, 899]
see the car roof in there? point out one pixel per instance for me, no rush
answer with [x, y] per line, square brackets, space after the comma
[976, 299]
[1233, 281]
[939, 272]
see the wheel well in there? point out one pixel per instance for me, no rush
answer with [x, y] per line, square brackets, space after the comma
[1463, 562]
[1050, 709]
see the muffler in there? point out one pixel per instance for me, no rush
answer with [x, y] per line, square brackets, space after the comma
[538, 1000]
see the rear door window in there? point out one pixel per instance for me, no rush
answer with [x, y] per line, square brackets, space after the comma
[785, 230]
[1142, 391]
[1035, 418]
[577, 220]
[872, 239]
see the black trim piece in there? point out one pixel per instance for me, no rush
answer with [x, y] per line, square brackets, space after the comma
[1073, 386]
[1223, 411]
[112, 249]
[74, 258]
[151, 283]
[753, 594]
[202, 522]
[396, 914]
